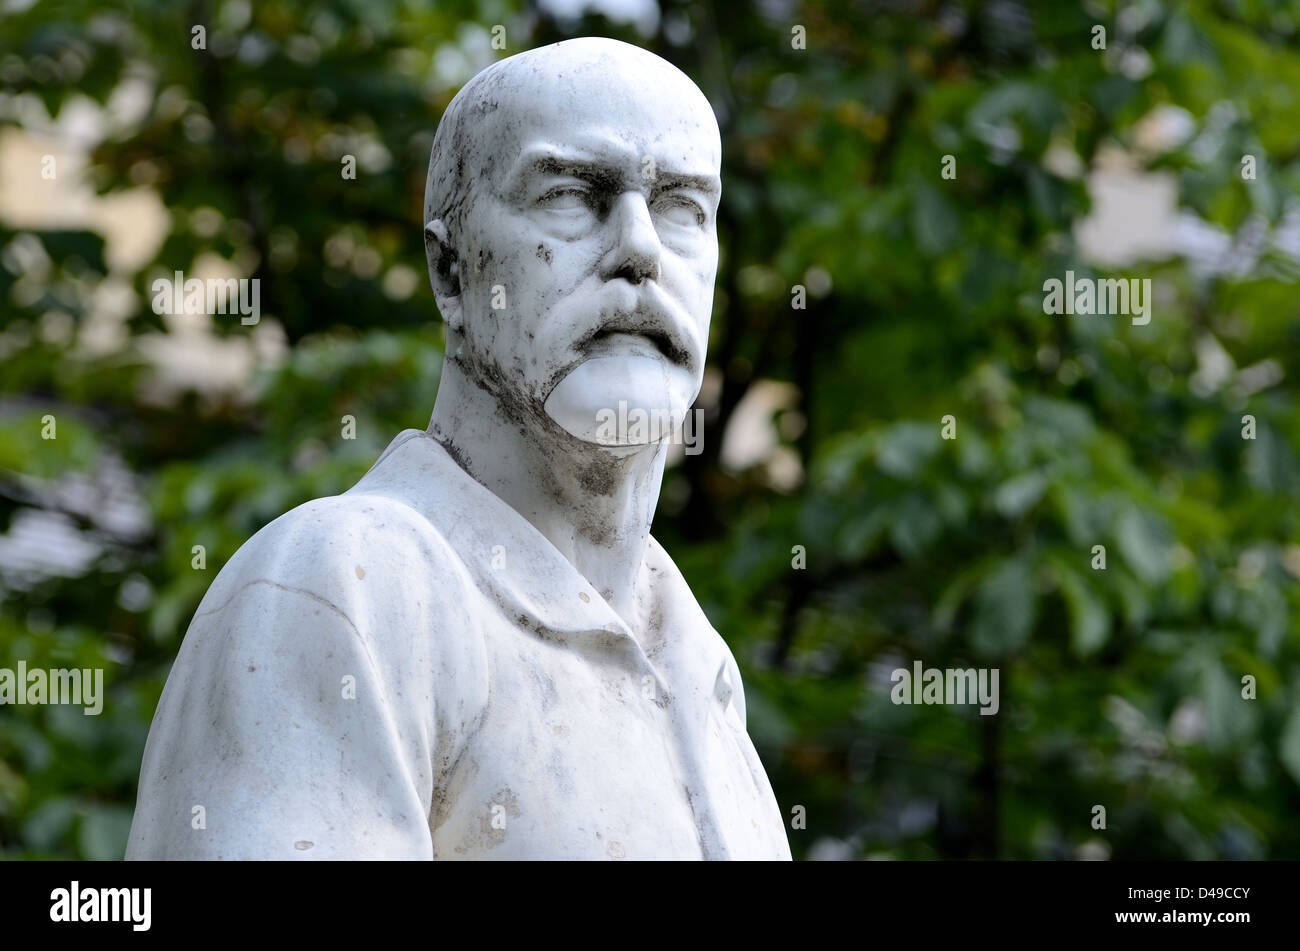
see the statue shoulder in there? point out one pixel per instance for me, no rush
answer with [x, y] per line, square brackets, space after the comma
[333, 652]
[369, 563]
[330, 542]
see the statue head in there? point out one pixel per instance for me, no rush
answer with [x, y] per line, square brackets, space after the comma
[571, 232]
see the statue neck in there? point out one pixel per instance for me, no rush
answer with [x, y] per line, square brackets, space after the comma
[593, 503]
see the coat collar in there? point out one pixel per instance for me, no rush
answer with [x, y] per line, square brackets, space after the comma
[517, 566]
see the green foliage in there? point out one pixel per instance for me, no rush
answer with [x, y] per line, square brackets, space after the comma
[1120, 686]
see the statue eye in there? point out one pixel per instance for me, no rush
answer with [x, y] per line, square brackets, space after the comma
[569, 199]
[681, 211]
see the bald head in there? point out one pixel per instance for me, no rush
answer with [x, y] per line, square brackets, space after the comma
[591, 85]
[571, 228]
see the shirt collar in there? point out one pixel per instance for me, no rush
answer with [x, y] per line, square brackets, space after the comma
[516, 564]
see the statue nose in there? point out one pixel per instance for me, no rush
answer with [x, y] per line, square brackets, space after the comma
[636, 249]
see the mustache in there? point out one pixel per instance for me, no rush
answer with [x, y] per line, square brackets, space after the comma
[642, 309]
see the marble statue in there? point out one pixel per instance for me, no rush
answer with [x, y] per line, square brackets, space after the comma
[478, 651]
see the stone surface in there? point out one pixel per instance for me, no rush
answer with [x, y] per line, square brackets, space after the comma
[479, 651]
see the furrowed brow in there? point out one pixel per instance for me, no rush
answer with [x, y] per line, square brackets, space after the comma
[536, 163]
[669, 180]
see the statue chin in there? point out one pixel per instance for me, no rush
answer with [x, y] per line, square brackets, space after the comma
[619, 400]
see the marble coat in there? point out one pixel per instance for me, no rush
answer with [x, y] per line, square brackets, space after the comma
[410, 670]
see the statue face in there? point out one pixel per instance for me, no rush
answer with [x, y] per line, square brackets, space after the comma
[589, 247]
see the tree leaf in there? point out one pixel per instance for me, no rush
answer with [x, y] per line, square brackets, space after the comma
[1004, 608]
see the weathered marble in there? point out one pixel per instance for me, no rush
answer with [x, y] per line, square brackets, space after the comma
[478, 651]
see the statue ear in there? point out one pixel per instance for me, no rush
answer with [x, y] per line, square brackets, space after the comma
[444, 271]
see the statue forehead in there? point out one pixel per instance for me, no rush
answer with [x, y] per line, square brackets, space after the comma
[596, 93]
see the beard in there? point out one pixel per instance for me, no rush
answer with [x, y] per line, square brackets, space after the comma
[635, 354]
[596, 401]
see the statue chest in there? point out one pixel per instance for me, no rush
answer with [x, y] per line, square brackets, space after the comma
[588, 749]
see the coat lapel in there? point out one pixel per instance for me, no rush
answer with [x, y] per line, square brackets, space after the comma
[509, 559]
